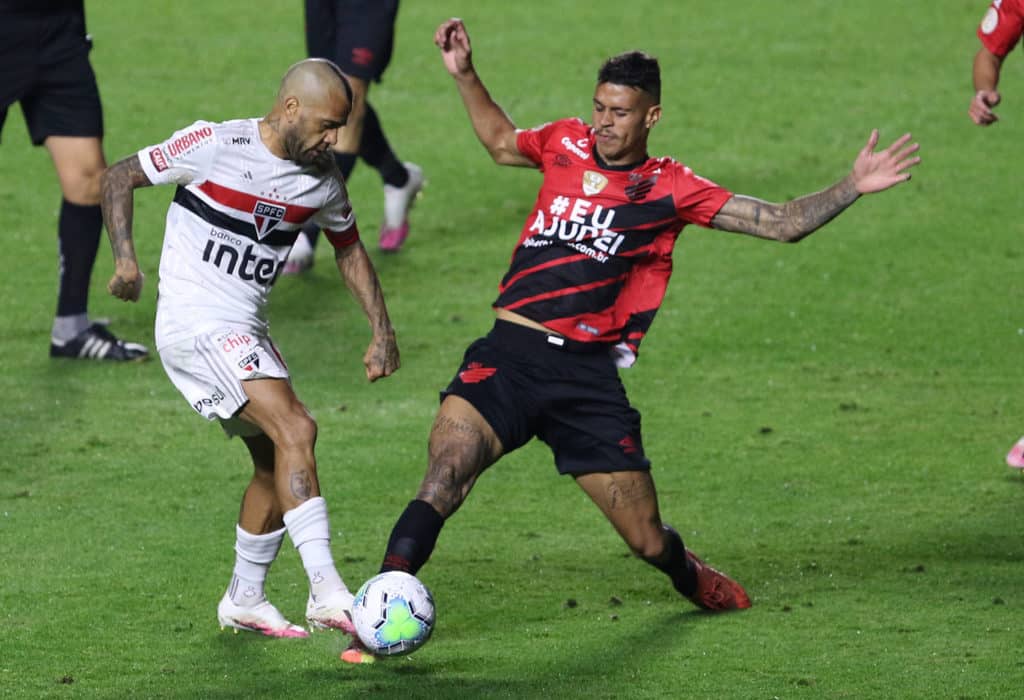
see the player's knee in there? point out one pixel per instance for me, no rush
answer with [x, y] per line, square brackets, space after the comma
[82, 185]
[297, 431]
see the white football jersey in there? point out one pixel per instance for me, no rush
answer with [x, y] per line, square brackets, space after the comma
[236, 213]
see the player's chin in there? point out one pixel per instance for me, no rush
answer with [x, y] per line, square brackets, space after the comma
[321, 160]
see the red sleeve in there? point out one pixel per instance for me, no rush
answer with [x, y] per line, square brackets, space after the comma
[531, 142]
[697, 199]
[1002, 26]
[342, 239]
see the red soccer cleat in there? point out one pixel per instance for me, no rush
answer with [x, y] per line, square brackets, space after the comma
[716, 591]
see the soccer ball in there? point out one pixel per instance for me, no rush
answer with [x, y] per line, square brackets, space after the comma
[393, 613]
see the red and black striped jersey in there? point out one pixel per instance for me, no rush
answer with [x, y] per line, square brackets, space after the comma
[595, 255]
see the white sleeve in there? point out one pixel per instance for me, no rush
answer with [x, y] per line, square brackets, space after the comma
[183, 158]
[337, 219]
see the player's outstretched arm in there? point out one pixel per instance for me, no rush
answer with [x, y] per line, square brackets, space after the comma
[117, 187]
[492, 125]
[790, 222]
[985, 73]
[381, 358]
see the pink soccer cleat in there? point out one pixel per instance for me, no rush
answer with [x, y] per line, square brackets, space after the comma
[262, 618]
[397, 203]
[333, 611]
[1015, 457]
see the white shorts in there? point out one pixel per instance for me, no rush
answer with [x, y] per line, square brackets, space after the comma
[209, 370]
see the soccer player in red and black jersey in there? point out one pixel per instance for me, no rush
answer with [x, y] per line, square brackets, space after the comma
[585, 281]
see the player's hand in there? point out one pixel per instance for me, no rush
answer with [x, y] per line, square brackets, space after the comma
[453, 40]
[126, 284]
[981, 107]
[874, 172]
[381, 358]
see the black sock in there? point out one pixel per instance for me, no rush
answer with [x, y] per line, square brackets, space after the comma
[78, 239]
[346, 163]
[413, 538]
[374, 149]
[675, 564]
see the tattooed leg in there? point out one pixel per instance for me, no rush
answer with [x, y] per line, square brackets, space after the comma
[462, 445]
[274, 407]
[630, 502]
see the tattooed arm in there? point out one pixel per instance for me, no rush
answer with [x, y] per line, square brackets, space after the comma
[117, 187]
[381, 358]
[798, 218]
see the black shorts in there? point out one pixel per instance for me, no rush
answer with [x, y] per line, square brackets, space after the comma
[572, 399]
[358, 35]
[44, 65]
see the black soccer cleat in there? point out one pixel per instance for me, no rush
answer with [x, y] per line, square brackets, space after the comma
[97, 343]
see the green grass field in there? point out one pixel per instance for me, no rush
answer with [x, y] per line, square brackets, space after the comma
[827, 422]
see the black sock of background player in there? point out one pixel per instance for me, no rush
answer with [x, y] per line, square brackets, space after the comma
[413, 538]
[675, 564]
[78, 239]
[374, 149]
[346, 164]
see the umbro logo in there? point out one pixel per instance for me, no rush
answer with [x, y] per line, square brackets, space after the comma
[628, 445]
[475, 373]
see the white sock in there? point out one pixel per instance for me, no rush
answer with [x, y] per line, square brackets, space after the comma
[253, 556]
[310, 531]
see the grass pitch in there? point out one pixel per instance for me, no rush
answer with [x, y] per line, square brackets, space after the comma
[827, 421]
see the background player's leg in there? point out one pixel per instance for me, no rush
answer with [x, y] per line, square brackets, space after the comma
[79, 163]
[462, 445]
[275, 408]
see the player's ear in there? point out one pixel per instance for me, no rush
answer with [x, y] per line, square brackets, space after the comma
[291, 107]
[652, 116]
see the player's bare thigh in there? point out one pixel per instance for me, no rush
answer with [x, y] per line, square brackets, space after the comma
[462, 445]
[79, 162]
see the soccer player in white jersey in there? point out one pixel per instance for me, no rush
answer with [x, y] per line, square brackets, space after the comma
[244, 190]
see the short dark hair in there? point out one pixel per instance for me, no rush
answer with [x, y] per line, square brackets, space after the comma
[636, 69]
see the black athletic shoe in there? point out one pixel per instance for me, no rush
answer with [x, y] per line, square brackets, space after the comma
[97, 343]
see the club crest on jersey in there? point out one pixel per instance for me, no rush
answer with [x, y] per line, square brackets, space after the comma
[593, 182]
[265, 217]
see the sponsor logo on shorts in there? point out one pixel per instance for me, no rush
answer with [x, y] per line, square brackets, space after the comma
[214, 399]
[266, 216]
[158, 159]
[233, 341]
[628, 445]
[362, 56]
[250, 362]
[475, 373]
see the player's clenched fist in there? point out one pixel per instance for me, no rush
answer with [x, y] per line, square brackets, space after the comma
[126, 284]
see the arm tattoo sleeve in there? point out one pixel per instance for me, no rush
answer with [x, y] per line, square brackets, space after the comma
[118, 184]
[787, 222]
